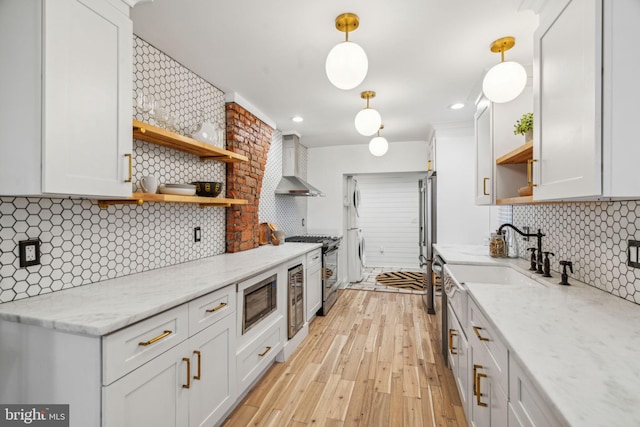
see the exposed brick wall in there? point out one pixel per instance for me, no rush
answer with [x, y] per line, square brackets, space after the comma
[250, 136]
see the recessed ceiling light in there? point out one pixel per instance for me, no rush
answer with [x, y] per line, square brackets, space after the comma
[297, 119]
[456, 106]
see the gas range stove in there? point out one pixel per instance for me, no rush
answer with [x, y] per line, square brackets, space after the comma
[328, 242]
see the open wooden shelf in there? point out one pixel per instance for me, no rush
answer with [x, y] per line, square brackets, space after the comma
[140, 198]
[519, 155]
[515, 200]
[156, 135]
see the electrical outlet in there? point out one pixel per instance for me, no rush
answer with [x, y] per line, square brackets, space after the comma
[29, 251]
[633, 253]
[197, 234]
[527, 230]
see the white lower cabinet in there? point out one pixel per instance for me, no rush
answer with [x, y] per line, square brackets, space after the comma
[254, 358]
[152, 395]
[459, 358]
[489, 372]
[191, 384]
[313, 289]
[526, 405]
[213, 370]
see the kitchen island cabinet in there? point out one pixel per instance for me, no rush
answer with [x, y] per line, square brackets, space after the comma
[585, 100]
[488, 362]
[65, 125]
[555, 337]
[119, 352]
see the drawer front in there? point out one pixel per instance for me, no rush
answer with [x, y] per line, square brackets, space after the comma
[314, 257]
[483, 333]
[125, 350]
[210, 308]
[252, 360]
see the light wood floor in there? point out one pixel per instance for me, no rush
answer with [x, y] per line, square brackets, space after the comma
[373, 361]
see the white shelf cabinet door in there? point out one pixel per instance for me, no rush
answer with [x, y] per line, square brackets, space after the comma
[152, 395]
[65, 127]
[484, 155]
[313, 291]
[213, 370]
[568, 102]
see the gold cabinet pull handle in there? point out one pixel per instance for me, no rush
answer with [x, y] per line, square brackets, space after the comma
[188, 384]
[477, 330]
[452, 333]
[428, 165]
[475, 369]
[478, 387]
[158, 338]
[218, 307]
[484, 187]
[130, 156]
[266, 350]
[530, 163]
[197, 352]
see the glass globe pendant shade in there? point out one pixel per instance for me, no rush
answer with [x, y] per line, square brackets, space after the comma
[504, 82]
[346, 65]
[368, 121]
[378, 146]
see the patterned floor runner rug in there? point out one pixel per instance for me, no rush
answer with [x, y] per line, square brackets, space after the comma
[403, 279]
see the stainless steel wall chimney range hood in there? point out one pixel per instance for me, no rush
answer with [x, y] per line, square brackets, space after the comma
[291, 184]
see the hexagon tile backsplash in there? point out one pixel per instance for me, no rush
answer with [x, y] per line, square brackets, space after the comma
[82, 243]
[591, 235]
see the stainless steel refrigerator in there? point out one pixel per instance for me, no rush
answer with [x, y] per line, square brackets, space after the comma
[427, 230]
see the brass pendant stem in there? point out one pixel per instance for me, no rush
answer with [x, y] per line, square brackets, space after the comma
[502, 45]
[347, 22]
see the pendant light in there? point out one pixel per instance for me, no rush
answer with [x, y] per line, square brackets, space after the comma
[378, 146]
[506, 80]
[347, 63]
[368, 121]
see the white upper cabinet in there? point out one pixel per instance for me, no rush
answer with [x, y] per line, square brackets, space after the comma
[65, 121]
[585, 100]
[494, 124]
[484, 154]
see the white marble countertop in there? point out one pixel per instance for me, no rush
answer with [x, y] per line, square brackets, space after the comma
[103, 307]
[579, 345]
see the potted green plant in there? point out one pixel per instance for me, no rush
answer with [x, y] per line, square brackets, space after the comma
[524, 126]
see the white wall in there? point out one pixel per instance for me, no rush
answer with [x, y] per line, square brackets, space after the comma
[327, 168]
[389, 218]
[459, 219]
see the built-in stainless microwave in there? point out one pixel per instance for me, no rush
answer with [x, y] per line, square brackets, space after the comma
[259, 301]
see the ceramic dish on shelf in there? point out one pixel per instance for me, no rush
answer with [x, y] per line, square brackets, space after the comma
[177, 189]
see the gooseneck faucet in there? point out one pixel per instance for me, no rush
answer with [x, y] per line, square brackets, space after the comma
[537, 235]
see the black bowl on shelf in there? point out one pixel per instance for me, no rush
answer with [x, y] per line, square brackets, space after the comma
[208, 188]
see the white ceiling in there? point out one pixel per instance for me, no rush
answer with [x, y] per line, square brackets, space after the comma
[423, 56]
